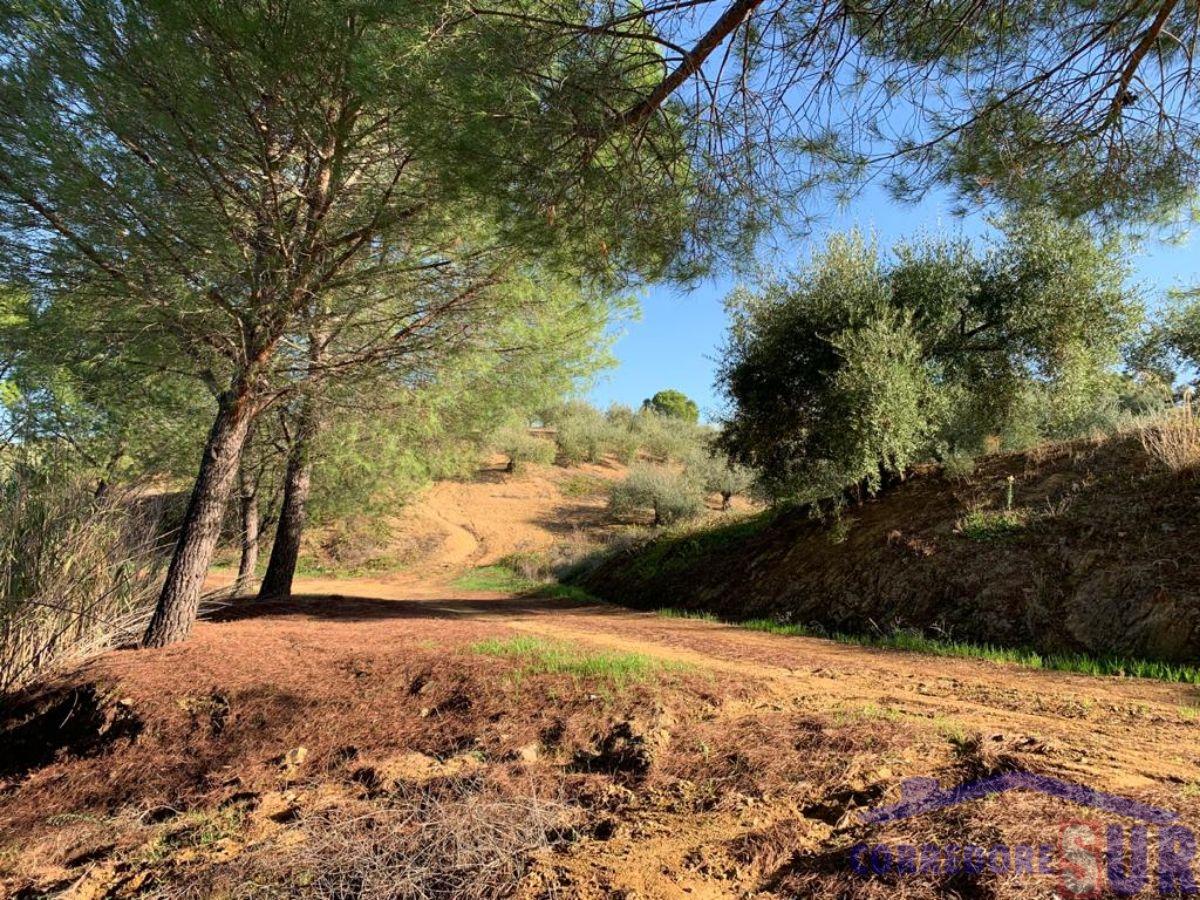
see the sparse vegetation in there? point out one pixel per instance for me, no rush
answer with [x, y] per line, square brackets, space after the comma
[992, 524]
[557, 658]
[1174, 440]
[671, 496]
[959, 465]
[839, 528]
[463, 839]
[580, 484]
[915, 642]
[982, 524]
[78, 574]
[522, 448]
[583, 438]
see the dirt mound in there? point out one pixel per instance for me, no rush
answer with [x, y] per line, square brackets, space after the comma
[72, 720]
[1093, 554]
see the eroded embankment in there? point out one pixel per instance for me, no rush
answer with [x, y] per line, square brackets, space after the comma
[1093, 555]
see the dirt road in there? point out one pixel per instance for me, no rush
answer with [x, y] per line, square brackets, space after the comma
[745, 714]
[1112, 732]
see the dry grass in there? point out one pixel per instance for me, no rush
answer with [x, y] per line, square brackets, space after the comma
[1175, 440]
[466, 839]
[78, 574]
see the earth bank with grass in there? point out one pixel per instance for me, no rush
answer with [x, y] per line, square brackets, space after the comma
[1085, 550]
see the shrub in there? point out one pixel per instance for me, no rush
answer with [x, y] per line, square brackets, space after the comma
[621, 415]
[1175, 440]
[672, 496]
[583, 438]
[522, 448]
[665, 438]
[959, 466]
[846, 372]
[78, 574]
[622, 442]
[555, 415]
[717, 475]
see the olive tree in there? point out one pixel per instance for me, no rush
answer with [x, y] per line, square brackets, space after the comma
[850, 368]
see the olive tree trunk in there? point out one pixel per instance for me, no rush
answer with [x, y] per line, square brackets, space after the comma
[180, 597]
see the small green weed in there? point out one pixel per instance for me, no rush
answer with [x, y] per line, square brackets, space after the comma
[993, 524]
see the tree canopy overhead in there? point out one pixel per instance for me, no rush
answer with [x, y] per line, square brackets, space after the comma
[275, 195]
[1085, 106]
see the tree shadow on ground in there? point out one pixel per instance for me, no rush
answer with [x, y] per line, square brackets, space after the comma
[347, 608]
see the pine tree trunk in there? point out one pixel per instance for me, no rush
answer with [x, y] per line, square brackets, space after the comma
[180, 597]
[285, 550]
[250, 525]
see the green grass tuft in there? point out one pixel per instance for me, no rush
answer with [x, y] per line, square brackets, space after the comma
[915, 642]
[494, 578]
[558, 658]
[670, 613]
[581, 484]
[992, 524]
[557, 591]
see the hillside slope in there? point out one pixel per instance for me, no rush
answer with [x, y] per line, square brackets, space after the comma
[1096, 555]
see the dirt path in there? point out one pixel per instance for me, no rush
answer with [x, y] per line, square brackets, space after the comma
[1106, 731]
[911, 715]
[479, 522]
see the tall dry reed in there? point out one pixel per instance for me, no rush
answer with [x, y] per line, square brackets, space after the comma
[1174, 440]
[78, 573]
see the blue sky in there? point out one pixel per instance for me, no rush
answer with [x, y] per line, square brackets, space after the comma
[675, 342]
